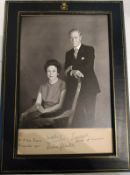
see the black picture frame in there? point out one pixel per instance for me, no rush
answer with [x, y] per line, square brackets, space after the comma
[118, 160]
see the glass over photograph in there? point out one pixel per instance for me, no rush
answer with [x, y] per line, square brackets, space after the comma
[65, 85]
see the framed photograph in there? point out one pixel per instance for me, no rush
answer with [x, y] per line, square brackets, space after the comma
[64, 88]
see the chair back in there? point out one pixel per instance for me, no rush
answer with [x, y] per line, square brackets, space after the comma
[75, 102]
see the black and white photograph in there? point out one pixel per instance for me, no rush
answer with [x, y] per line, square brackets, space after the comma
[64, 103]
[64, 71]
[65, 83]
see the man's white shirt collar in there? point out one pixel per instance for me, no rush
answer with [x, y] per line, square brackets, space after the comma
[78, 47]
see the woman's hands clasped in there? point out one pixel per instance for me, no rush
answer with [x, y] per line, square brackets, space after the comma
[40, 108]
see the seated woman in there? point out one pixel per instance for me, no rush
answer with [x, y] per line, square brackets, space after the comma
[49, 99]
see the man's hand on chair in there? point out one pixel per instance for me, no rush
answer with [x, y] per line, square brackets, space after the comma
[77, 74]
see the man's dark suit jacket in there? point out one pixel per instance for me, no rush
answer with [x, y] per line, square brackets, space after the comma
[85, 109]
[84, 63]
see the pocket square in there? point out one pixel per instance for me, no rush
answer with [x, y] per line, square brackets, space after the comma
[82, 58]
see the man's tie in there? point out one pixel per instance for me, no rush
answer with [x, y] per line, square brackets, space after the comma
[75, 53]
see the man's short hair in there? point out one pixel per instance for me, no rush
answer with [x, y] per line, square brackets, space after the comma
[74, 30]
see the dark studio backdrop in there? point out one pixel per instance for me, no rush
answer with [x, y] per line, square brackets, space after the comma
[46, 37]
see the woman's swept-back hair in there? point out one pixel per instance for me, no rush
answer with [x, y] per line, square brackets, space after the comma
[52, 62]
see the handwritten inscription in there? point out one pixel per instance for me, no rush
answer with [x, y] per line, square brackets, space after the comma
[58, 142]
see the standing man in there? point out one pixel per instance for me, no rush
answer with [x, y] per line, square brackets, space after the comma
[79, 63]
